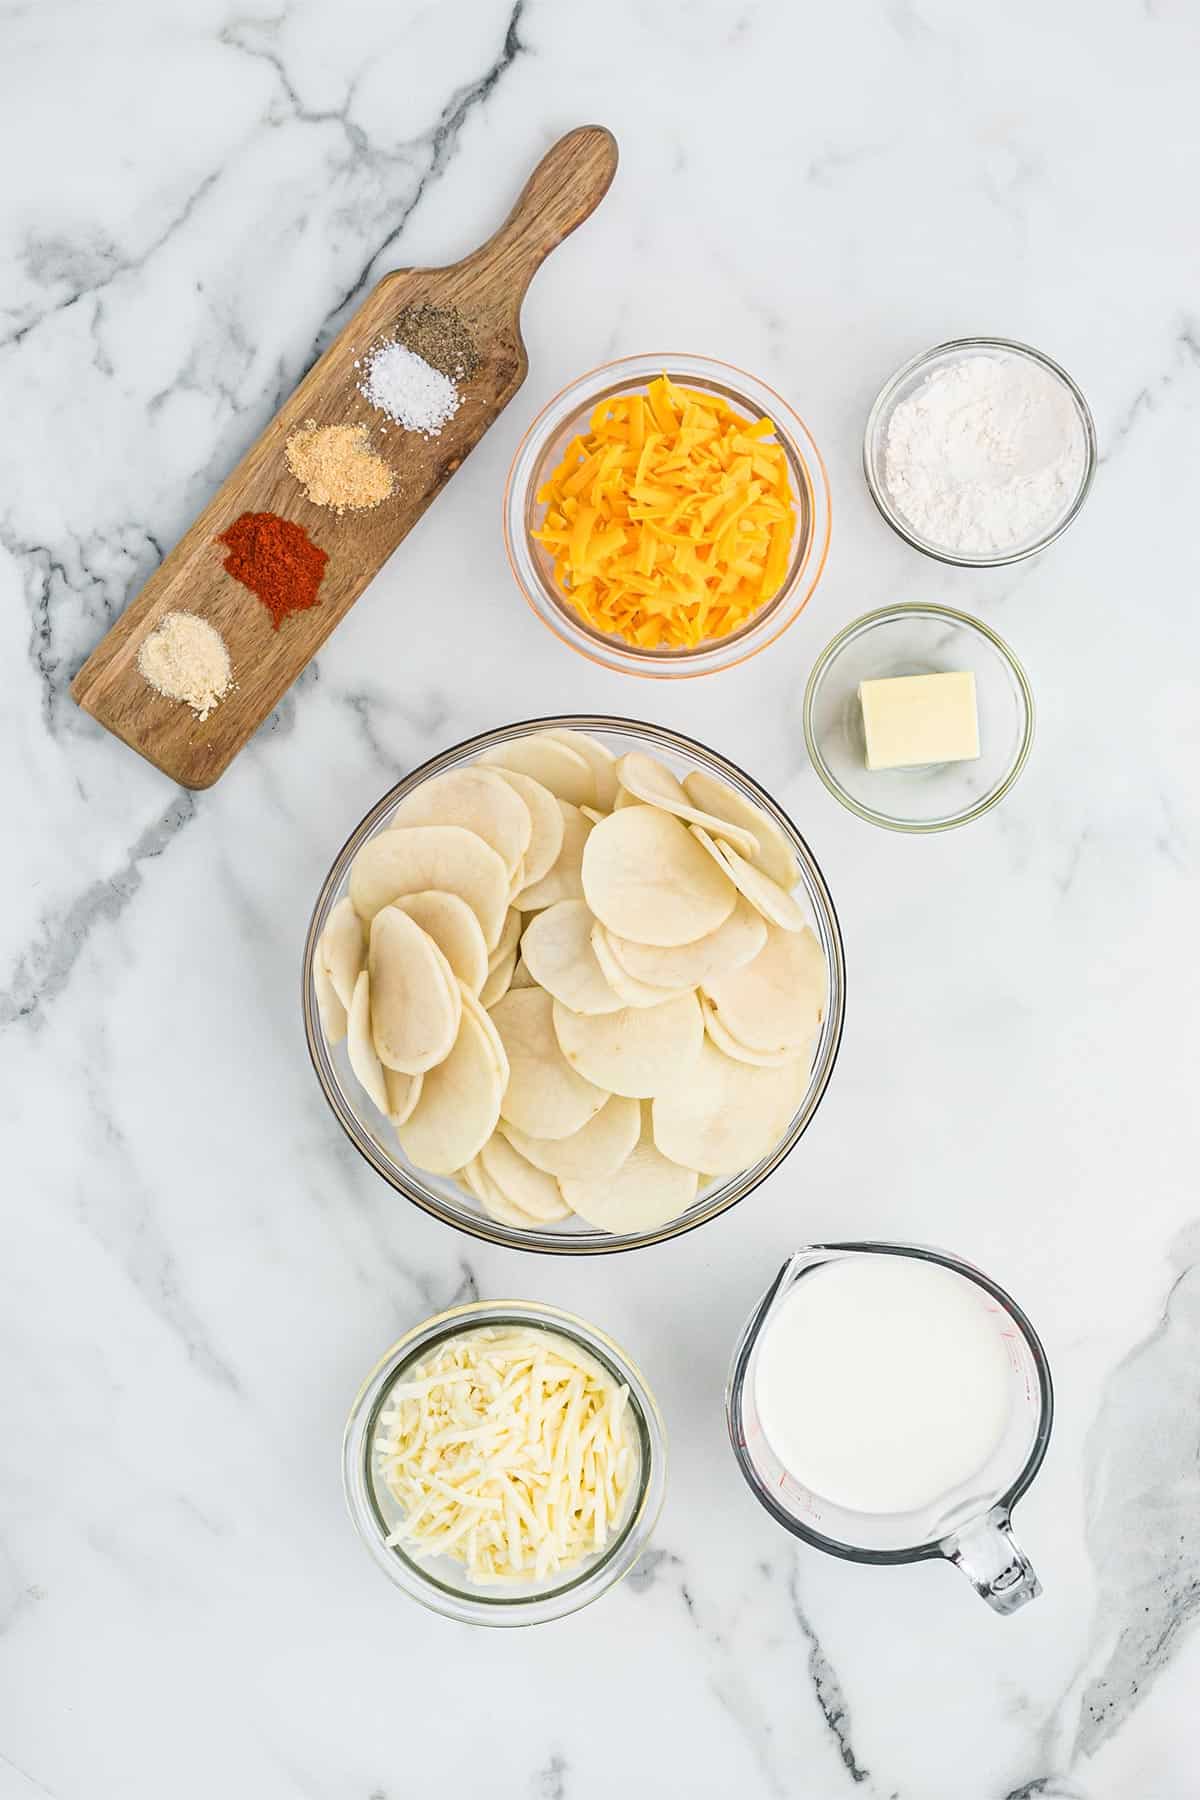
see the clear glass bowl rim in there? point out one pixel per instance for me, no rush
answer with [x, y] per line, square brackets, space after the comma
[505, 1608]
[547, 1243]
[708, 659]
[923, 1253]
[882, 404]
[824, 662]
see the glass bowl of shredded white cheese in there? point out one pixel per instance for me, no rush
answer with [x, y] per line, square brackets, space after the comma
[505, 1463]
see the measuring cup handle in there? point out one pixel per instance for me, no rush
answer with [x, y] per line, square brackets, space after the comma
[993, 1562]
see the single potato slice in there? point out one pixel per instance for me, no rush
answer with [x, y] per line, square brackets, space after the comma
[776, 1002]
[735, 942]
[546, 839]
[330, 1010]
[543, 758]
[564, 880]
[479, 801]
[765, 895]
[599, 759]
[724, 1115]
[343, 949]
[415, 858]
[521, 977]
[629, 990]
[557, 947]
[499, 979]
[360, 1045]
[449, 921]
[645, 1192]
[403, 1092]
[510, 936]
[646, 878]
[599, 1148]
[634, 1051]
[459, 1103]
[415, 998]
[545, 1096]
[647, 779]
[492, 1200]
[488, 1026]
[527, 1187]
[763, 1059]
[775, 856]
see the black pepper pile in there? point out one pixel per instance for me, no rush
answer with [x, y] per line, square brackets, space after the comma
[439, 334]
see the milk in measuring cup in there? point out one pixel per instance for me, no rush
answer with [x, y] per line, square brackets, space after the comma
[882, 1382]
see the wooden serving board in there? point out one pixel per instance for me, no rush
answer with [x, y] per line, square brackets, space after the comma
[487, 289]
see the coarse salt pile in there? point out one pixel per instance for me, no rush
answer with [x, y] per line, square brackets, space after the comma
[408, 389]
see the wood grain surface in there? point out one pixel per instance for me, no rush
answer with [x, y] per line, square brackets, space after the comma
[487, 288]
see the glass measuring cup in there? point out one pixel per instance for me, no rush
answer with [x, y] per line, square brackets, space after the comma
[968, 1526]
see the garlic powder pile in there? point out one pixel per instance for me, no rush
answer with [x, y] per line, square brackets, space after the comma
[184, 658]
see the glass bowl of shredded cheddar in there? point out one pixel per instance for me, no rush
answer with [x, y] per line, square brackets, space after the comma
[667, 515]
[505, 1463]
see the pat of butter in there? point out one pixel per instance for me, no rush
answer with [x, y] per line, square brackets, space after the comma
[913, 719]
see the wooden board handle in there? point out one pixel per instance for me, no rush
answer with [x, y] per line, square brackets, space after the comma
[565, 189]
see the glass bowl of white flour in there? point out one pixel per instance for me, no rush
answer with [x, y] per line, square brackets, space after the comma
[980, 452]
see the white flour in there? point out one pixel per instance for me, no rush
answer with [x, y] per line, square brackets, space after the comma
[985, 455]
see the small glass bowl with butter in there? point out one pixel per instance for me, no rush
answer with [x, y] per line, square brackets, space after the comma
[443, 1581]
[918, 755]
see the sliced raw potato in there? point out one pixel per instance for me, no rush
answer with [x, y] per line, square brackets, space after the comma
[546, 839]
[330, 1010]
[492, 1200]
[624, 798]
[740, 938]
[765, 895]
[479, 801]
[635, 1051]
[645, 877]
[449, 921]
[775, 856]
[459, 1103]
[521, 976]
[544, 758]
[510, 936]
[593, 813]
[645, 1192]
[564, 881]
[597, 1149]
[599, 759]
[415, 998]
[727, 1114]
[775, 1002]
[343, 949]
[545, 1096]
[763, 1059]
[499, 979]
[488, 1025]
[517, 880]
[557, 948]
[647, 779]
[527, 1187]
[629, 990]
[415, 858]
[360, 1046]
[403, 1092]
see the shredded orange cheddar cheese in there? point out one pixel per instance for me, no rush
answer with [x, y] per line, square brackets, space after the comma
[671, 521]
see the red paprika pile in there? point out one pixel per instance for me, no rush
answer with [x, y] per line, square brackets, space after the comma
[275, 559]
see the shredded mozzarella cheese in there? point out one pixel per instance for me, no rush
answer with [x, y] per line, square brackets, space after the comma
[509, 1450]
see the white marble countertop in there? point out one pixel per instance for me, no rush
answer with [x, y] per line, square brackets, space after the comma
[197, 1269]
